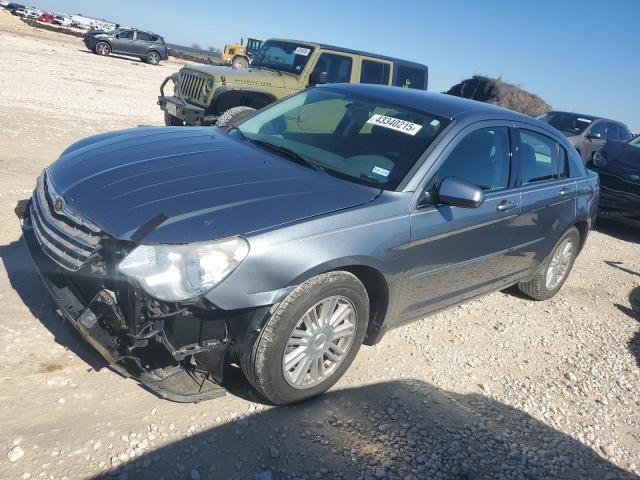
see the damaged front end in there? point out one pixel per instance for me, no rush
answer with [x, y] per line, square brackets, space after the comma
[177, 350]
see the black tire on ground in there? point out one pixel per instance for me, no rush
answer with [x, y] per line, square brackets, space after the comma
[240, 62]
[102, 48]
[263, 364]
[153, 58]
[171, 121]
[537, 287]
[234, 116]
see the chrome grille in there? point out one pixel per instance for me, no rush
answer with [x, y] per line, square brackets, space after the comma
[67, 242]
[191, 87]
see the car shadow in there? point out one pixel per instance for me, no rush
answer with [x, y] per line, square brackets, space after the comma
[621, 229]
[25, 280]
[134, 60]
[401, 429]
[633, 311]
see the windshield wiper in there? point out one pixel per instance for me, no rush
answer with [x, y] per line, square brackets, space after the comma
[231, 128]
[293, 155]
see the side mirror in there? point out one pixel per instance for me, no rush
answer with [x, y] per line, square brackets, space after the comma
[117, 35]
[317, 78]
[595, 136]
[460, 193]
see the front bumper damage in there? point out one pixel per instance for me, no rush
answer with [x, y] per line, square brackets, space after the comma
[176, 351]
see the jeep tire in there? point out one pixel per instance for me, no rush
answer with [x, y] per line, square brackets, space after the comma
[234, 116]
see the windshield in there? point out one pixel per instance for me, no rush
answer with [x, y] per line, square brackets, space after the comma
[358, 138]
[286, 56]
[567, 122]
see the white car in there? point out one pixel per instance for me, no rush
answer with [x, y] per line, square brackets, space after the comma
[62, 20]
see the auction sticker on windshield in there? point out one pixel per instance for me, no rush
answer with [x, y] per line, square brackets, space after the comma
[303, 51]
[395, 124]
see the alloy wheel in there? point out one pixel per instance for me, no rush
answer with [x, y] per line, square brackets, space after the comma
[319, 342]
[559, 264]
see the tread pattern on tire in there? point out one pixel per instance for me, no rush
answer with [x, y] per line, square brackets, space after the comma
[533, 288]
[234, 115]
[251, 363]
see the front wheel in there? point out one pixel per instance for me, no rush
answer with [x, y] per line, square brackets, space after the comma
[234, 116]
[171, 121]
[310, 340]
[556, 268]
[103, 48]
[240, 62]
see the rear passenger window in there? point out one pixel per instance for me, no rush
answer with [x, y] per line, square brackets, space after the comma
[375, 72]
[625, 134]
[541, 158]
[145, 37]
[481, 158]
[612, 132]
[410, 77]
[338, 67]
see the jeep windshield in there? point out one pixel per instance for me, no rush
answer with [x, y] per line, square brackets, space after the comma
[286, 56]
[358, 138]
[567, 122]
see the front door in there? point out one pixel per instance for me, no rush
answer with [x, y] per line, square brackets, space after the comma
[457, 253]
[122, 42]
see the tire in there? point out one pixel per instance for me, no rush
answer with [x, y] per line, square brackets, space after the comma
[538, 288]
[263, 365]
[153, 58]
[102, 48]
[240, 62]
[234, 116]
[171, 121]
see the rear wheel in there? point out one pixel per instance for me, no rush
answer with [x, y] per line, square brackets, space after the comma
[240, 62]
[234, 116]
[310, 340]
[556, 268]
[153, 58]
[103, 48]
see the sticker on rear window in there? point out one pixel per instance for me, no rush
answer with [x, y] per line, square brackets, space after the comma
[383, 172]
[395, 124]
[303, 51]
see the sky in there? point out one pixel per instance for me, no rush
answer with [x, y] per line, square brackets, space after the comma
[578, 55]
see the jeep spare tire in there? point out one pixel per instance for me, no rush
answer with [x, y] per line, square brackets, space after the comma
[234, 116]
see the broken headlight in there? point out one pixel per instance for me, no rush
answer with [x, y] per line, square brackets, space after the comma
[183, 272]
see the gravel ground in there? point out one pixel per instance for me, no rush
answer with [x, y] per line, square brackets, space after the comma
[502, 387]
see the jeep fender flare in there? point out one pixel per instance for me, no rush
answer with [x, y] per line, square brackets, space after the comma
[226, 97]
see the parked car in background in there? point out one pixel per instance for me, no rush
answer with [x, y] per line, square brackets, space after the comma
[147, 46]
[618, 165]
[32, 13]
[46, 18]
[207, 95]
[20, 11]
[4, 4]
[587, 133]
[285, 242]
[13, 7]
[62, 20]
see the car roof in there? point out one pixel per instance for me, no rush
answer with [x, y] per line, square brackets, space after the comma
[593, 118]
[440, 104]
[351, 51]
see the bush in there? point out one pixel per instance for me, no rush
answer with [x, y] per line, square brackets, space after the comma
[503, 94]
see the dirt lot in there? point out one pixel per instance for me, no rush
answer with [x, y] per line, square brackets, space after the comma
[500, 388]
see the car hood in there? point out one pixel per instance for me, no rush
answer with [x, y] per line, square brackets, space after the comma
[247, 77]
[206, 183]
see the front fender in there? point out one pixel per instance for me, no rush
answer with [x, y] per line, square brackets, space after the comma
[227, 96]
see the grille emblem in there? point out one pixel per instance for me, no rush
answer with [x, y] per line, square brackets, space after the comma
[57, 206]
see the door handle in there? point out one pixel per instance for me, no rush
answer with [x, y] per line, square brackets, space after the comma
[506, 205]
[564, 192]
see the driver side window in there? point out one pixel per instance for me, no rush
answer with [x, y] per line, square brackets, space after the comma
[482, 158]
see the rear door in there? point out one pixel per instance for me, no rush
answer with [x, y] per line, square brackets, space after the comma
[458, 253]
[141, 43]
[410, 76]
[547, 193]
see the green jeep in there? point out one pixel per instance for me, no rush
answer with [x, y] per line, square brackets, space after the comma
[222, 95]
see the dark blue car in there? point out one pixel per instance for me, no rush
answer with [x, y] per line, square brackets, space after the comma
[285, 242]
